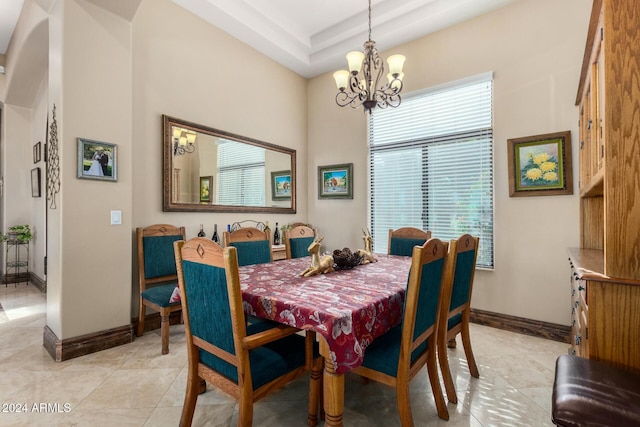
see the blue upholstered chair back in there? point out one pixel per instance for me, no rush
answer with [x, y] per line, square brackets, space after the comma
[300, 246]
[465, 265]
[253, 252]
[428, 296]
[209, 312]
[159, 258]
[404, 246]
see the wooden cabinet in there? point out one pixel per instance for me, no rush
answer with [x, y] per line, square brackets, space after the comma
[609, 107]
[606, 268]
[605, 311]
[279, 252]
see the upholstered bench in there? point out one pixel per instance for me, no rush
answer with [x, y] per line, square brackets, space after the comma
[591, 393]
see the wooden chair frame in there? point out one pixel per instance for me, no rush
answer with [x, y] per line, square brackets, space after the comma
[432, 250]
[299, 231]
[407, 233]
[143, 282]
[204, 251]
[463, 244]
[247, 234]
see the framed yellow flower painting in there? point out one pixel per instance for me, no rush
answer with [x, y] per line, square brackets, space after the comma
[540, 165]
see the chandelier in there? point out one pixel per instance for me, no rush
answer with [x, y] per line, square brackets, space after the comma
[361, 84]
[183, 141]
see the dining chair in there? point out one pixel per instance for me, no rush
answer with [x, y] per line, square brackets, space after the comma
[297, 241]
[157, 276]
[463, 253]
[253, 245]
[397, 356]
[246, 362]
[402, 240]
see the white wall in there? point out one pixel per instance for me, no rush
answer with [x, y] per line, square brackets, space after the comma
[534, 48]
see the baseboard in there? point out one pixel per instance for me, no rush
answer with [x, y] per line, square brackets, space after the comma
[536, 328]
[38, 282]
[61, 350]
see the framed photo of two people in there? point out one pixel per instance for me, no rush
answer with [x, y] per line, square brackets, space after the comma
[97, 160]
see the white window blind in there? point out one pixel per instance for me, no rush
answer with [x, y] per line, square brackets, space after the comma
[241, 174]
[431, 165]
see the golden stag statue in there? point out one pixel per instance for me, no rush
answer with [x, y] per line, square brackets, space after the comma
[367, 252]
[318, 265]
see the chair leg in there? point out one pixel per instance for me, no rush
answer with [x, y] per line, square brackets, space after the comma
[443, 358]
[141, 315]
[432, 369]
[189, 406]
[164, 329]
[404, 404]
[466, 343]
[452, 343]
[315, 384]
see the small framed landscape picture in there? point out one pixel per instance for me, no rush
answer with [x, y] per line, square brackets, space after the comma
[97, 160]
[281, 185]
[540, 165]
[335, 181]
[205, 189]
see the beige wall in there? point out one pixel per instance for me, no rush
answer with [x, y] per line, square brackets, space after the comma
[89, 279]
[193, 71]
[185, 68]
[115, 81]
[534, 48]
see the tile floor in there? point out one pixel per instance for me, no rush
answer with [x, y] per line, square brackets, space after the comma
[134, 385]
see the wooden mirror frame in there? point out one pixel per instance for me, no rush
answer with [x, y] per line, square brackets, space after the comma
[168, 205]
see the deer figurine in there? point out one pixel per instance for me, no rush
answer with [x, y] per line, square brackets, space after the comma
[367, 252]
[318, 265]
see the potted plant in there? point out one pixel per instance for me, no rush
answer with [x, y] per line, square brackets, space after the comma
[20, 233]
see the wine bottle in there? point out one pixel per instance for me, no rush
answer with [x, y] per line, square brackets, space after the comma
[266, 228]
[276, 235]
[215, 236]
[201, 232]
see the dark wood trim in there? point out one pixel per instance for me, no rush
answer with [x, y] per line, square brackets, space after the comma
[536, 328]
[61, 350]
[38, 282]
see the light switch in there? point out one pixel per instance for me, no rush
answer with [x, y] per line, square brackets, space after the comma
[116, 217]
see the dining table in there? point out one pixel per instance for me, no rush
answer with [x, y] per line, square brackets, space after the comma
[347, 308]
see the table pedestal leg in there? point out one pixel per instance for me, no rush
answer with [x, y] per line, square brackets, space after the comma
[333, 388]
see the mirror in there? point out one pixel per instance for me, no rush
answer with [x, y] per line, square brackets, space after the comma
[206, 169]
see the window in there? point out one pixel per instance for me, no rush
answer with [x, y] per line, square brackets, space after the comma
[431, 165]
[241, 174]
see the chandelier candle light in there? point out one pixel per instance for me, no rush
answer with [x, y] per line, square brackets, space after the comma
[359, 85]
[183, 141]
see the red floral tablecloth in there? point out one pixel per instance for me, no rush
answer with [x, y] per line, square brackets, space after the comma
[349, 308]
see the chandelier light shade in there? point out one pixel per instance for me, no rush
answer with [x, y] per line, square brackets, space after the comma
[364, 84]
[183, 141]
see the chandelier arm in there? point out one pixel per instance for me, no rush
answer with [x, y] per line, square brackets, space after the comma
[344, 98]
[366, 90]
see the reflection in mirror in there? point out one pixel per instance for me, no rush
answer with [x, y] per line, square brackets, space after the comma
[206, 169]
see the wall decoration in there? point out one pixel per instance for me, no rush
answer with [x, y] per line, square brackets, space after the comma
[97, 160]
[37, 150]
[205, 189]
[540, 165]
[281, 185]
[35, 182]
[53, 162]
[335, 181]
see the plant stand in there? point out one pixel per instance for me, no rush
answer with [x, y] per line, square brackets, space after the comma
[16, 268]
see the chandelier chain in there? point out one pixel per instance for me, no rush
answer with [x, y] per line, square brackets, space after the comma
[369, 20]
